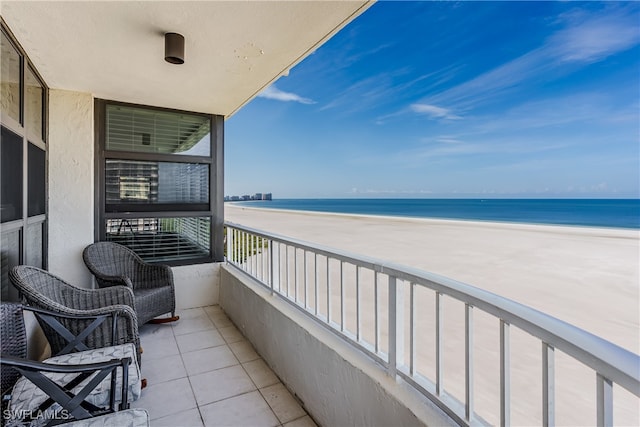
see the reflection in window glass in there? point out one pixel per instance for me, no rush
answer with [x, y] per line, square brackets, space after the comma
[151, 131]
[134, 181]
[163, 239]
[34, 243]
[10, 176]
[10, 79]
[9, 258]
[33, 104]
[37, 169]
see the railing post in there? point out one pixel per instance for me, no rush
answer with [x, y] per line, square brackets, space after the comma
[271, 266]
[548, 385]
[392, 327]
[505, 375]
[604, 395]
[468, 332]
[439, 345]
[229, 245]
[396, 333]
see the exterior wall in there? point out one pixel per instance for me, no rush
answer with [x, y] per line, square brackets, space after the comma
[71, 180]
[337, 384]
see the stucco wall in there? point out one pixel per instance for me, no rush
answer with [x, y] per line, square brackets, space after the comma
[336, 383]
[71, 178]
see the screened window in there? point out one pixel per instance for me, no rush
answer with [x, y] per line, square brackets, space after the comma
[37, 180]
[157, 176]
[10, 86]
[34, 94]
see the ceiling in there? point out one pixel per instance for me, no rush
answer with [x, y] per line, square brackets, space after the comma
[115, 49]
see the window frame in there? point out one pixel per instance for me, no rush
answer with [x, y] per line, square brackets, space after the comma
[214, 209]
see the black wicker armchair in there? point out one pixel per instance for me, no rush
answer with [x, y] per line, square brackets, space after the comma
[41, 289]
[72, 387]
[152, 285]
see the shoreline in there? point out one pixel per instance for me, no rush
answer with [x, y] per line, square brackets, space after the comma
[633, 233]
[586, 276]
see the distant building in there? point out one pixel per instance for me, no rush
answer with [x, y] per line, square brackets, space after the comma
[246, 197]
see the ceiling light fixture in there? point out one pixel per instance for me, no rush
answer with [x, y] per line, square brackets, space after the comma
[174, 48]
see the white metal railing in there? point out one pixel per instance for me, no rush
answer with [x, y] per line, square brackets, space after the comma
[382, 309]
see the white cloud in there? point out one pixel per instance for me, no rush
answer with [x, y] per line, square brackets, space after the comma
[593, 39]
[587, 38]
[434, 111]
[273, 92]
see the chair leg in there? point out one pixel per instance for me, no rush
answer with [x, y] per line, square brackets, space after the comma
[160, 320]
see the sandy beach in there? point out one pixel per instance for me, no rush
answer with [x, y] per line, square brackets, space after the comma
[588, 277]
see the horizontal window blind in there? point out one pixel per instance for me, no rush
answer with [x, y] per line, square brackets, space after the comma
[150, 131]
[163, 239]
[145, 182]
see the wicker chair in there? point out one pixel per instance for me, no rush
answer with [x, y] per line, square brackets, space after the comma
[152, 285]
[71, 387]
[41, 289]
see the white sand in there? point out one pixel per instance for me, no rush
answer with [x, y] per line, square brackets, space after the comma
[589, 277]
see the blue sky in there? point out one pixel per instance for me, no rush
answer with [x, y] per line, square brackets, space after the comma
[452, 99]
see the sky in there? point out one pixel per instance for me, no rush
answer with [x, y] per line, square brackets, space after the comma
[452, 99]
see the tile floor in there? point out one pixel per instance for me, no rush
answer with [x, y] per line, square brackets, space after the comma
[201, 371]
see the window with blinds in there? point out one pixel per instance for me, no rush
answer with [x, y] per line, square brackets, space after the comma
[149, 131]
[156, 182]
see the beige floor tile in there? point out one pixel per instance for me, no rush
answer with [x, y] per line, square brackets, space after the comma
[190, 418]
[305, 421]
[194, 322]
[260, 373]
[166, 398]
[199, 340]
[157, 341]
[221, 384]
[190, 313]
[208, 359]
[282, 403]
[231, 334]
[244, 351]
[245, 410]
[163, 369]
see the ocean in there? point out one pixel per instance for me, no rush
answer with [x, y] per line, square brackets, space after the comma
[610, 213]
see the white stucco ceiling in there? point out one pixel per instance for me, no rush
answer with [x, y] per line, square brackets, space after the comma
[115, 49]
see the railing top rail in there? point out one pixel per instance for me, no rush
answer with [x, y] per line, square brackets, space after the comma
[606, 358]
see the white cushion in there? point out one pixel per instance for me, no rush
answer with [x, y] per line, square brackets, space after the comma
[130, 418]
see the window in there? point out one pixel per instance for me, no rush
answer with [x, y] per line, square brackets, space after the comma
[11, 175]
[23, 160]
[157, 183]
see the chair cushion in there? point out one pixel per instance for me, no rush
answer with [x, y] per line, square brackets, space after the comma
[130, 417]
[27, 397]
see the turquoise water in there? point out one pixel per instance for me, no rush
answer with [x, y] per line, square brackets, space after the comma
[614, 213]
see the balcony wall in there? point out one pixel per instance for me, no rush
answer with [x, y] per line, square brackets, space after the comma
[337, 384]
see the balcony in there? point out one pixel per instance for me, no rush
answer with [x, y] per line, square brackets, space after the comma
[301, 334]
